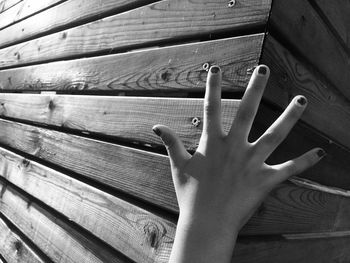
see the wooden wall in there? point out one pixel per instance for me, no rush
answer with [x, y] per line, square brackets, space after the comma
[82, 176]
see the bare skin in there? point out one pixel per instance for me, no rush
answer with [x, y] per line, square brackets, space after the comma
[220, 186]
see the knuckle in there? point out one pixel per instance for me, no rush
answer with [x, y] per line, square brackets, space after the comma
[209, 108]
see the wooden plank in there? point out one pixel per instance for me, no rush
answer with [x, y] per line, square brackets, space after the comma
[6, 4]
[23, 10]
[13, 248]
[336, 13]
[66, 14]
[315, 42]
[131, 119]
[288, 209]
[57, 239]
[153, 24]
[272, 249]
[328, 110]
[173, 68]
[137, 233]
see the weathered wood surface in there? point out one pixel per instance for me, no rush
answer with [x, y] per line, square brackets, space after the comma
[336, 13]
[13, 248]
[328, 110]
[57, 239]
[151, 24]
[67, 14]
[24, 9]
[6, 4]
[275, 249]
[302, 27]
[289, 209]
[131, 119]
[137, 233]
[174, 68]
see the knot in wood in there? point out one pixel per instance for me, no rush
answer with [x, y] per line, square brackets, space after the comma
[18, 246]
[196, 121]
[232, 3]
[25, 163]
[51, 105]
[153, 235]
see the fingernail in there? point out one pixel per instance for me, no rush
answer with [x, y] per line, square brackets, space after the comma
[156, 131]
[215, 69]
[321, 153]
[262, 70]
[302, 101]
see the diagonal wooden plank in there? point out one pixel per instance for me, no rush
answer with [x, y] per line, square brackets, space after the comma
[288, 209]
[13, 248]
[67, 14]
[177, 68]
[6, 4]
[23, 10]
[148, 25]
[23, 211]
[57, 239]
[131, 119]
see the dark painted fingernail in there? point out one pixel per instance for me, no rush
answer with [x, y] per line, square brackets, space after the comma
[156, 131]
[262, 70]
[321, 153]
[215, 69]
[302, 101]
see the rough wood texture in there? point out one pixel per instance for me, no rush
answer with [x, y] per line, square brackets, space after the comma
[147, 25]
[131, 119]
[24, 9]
[67, 14]
[301, 26]
[174, 68]
[289, 209]
[13, 248]
[138, 234]
[328, 110]
[336, 13]
[57, 239]
[6, 4]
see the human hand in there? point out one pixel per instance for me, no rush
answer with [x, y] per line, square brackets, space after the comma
[221, 185]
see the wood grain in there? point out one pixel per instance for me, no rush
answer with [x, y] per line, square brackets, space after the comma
[314, 40]
[288, 209]
[248, 249]
[131, 119]
[23, 10]
[328, 110]
[140, 235]
[6, 4]
[67, 14]
[57, 239]
[337, 14]
[147, 26]
[13, 248]
[176, 68]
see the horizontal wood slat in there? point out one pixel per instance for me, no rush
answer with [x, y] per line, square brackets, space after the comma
[265, 250]
[328, 110]
[314, 41]
[13, 248]
[160, 69]
[131, 119]
[67, 14]
[57, 239]
[147, 25]
[24, 9]
[6, 4]
[289, 209]
[138, 234]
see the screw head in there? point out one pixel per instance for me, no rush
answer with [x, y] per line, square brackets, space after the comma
[206, 66]
[196, 121]
[232, 3]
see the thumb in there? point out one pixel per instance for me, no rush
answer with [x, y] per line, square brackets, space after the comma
[175, 148]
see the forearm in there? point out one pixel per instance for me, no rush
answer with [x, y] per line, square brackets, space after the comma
[202, 241]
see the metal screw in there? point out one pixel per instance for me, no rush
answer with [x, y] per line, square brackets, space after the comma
[196, 121]
[232, 3]
[206, 66]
